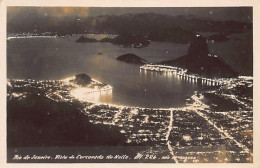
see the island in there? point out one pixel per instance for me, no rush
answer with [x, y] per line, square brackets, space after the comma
[129, 40]
[132, 58]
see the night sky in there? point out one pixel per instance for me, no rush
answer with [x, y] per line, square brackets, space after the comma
[243, 14]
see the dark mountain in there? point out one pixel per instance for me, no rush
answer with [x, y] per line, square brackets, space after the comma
[137, 41]
[123, 39]
[198, 61]
[156, 27]
[39, 121]
[83, 39]
[131, 58]
[198, 47]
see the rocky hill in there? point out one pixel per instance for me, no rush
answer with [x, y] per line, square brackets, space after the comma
[200, 62]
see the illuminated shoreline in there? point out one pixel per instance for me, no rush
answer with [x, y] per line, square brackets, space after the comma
[171, 131]
[107, 88]
[182, 73]
[27, 36]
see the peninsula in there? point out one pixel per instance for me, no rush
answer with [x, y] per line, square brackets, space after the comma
[200, 61]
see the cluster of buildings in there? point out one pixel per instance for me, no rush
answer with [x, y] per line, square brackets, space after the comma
[195, 133]
[139, 125]
[32, 35]
[194, 139]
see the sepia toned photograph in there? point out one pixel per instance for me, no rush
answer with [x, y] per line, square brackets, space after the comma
[129, 84]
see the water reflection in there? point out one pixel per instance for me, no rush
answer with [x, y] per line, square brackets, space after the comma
[170, 77]
[92, 95]
[28, 58]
